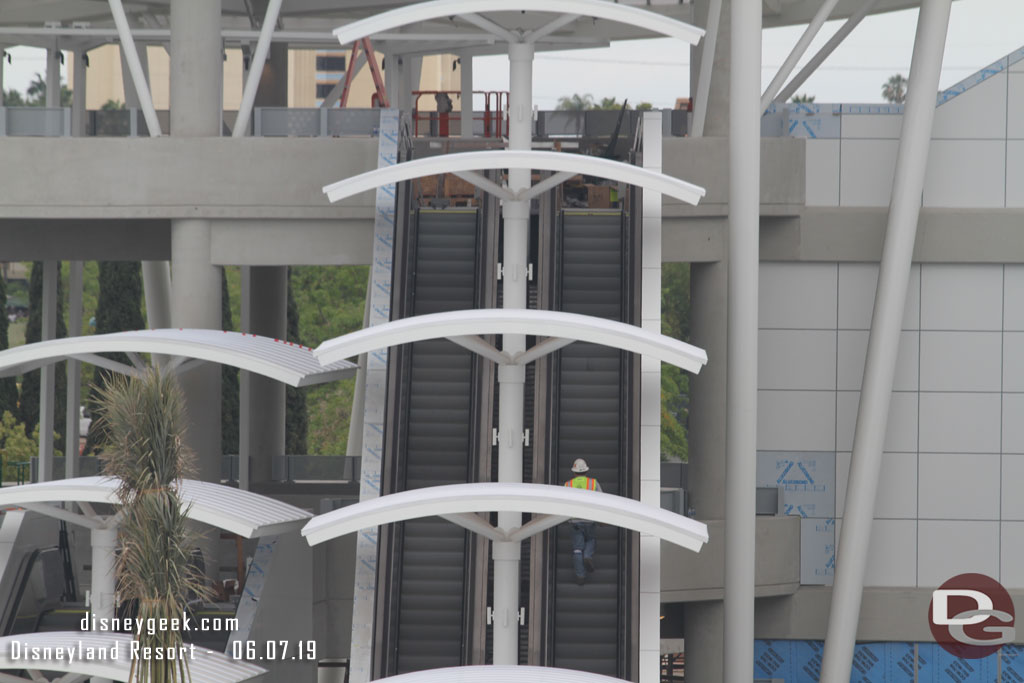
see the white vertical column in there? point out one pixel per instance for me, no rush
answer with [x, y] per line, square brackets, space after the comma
[74, 399]
[53, 75]
[466, 84]
[883, 342]
[741, 400]
[104, 550]
[511, 378]
[51, 271]
[360, 659]
[650, 409]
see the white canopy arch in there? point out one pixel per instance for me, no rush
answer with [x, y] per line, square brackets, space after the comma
[459, 502]
[467, 162]
[598, 9]
[241, 512]
[16, 653]
[560, 326]
[501, 674]
[284, 361]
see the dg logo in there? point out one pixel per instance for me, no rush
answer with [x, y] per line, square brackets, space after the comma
[971, 616]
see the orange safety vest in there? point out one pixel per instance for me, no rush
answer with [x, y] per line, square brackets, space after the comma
[582, 483]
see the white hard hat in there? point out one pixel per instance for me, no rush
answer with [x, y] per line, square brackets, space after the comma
[579, 466]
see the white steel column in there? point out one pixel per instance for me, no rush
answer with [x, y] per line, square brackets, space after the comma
[466, 84]
[650, 409]
[259, 58]
[883, 342]
[511, 378]
[53, 75]
[707, 61]
[825, 51]
[741, 400]
[104, 556]
[138, 74]
[74, 369]
[797, 52]
[51, 272]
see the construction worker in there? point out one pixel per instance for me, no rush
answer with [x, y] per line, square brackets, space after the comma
[584, 541]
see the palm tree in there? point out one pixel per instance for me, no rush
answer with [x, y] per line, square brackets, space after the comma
[895, 89]
[144, 419]
[576, 103]
[802, 99]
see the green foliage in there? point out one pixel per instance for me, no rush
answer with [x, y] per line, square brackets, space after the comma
[112, 105]
[895, 89]
[296, 418]
[330, 302]
[645, 106]
[675, 383]
[13, 98]
[229, 400]
[35, 95]
[576, 102]
[28, 404]
[144, 424]
[15, 445]
[802, 99]
[118, 309]
[8, 385]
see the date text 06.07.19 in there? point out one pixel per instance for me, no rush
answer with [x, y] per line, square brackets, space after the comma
[274, 650]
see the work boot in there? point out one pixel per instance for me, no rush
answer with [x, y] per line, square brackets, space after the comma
[589, 564]
[580, 580]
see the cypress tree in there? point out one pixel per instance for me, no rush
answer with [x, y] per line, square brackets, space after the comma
[118, 309]
[229, 400]
[28, 408]
[8, 385]
[296, 420]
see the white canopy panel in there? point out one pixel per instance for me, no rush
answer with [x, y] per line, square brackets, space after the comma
[560, 162]
[559, 501]
[241, 512]
[284, 361]
[597, 9]
[514, 321]
[66, 651]
[502, 674]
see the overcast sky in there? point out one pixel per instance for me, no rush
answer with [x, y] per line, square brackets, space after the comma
[657, 71]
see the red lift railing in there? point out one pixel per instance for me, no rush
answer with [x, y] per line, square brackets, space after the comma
[494, 116]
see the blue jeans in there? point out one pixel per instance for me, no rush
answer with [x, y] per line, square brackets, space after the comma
[583, 544]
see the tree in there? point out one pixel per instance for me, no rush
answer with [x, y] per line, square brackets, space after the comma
[229, 386]
[112, 105]
[645, 106]
[15, 446]
[802, 99]
[118, 309]
[576, 102]
[8, 385]
[13, 98]
[296, 423]
[610, 103]
[36, 93]
[895, 89]
[144, 448]
[28, 405]
[675, 384]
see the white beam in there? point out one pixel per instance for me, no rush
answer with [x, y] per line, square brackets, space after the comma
[124, 32]
[550, 27]
[489, 26]
[479, 346]
[797, 52]
[540, 349]
[485, 184]
[883, 341]
[544, 185]
[259, 59]
[518, 159]
[707, 60]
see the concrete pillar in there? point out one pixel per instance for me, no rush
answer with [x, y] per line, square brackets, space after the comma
[156, 281]
[261, 427]
[3, 63]
[53, 75]
[702, 633]
[74, 394]
[717, 122]
[51, 272]
[466, 84]
[741, 398]
[104, 576]
[196, 68]
[79, 115]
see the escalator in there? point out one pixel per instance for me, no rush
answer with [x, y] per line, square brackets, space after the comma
[589, 388]
[427, 613]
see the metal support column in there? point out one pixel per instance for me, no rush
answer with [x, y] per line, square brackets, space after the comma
[741, 400]
[135, 68]
[73, 370]
[259, 58]
[797, 52]
[883, 341]
[707, 61]
[466, 100]
[511, 378]
[104, 557]
[48, 373]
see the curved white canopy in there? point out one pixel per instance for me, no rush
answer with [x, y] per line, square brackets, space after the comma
[207, 666]
[598, 9]
[284, 361]
[548, 161]
[501, 674]
[241, 512]
[514, 321]
[462, 499]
